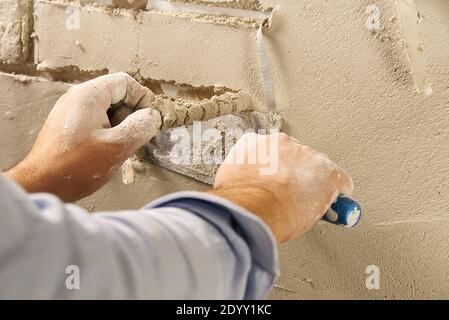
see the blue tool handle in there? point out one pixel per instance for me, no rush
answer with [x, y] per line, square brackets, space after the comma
[344, 212]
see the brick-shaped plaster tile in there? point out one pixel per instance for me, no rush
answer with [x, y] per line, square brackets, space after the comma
[15, 30]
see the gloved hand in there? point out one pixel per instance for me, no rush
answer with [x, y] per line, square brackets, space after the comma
[293, 194]
[77, 151]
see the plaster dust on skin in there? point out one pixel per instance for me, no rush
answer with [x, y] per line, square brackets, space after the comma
[92, 119]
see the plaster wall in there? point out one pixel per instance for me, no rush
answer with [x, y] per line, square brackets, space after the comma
[341, 88]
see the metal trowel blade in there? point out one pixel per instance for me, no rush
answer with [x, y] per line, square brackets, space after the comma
[198, 150]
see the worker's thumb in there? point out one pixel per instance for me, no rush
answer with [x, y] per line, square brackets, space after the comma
[135, 130]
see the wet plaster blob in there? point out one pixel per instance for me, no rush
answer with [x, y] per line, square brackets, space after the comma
[238, 4]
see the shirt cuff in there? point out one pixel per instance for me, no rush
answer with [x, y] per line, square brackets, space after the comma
[252, 229]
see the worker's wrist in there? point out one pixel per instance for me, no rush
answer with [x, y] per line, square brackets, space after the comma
[263, 203]
[27, 175]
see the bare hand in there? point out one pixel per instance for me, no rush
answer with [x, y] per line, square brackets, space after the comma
[290, 197]
[77, 151]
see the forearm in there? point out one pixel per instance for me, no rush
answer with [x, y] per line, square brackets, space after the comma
[36, 177]
[77, 150]
[185, 241]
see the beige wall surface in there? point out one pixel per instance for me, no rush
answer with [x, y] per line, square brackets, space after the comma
[341, 88]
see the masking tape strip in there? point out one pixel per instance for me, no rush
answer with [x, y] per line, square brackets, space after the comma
[265, 70]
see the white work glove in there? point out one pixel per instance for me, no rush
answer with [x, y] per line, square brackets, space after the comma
[77, 151]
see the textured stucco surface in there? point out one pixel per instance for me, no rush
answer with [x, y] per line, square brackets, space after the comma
[24, 106]
[341, 88]
[15, 30]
